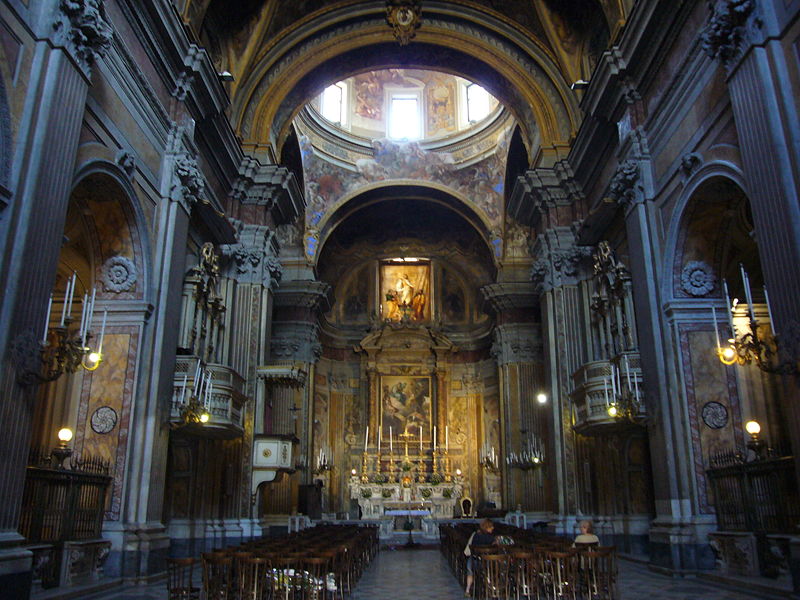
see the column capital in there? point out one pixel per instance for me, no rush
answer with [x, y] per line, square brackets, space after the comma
[725, 35]
[83, 28]
[546, 193]
[558, 259]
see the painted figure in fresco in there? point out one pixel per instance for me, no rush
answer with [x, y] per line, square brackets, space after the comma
[418, 306]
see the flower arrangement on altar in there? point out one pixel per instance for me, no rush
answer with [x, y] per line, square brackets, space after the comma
[380, 478]
[447, 492]
[387, 492]
[366, 493]
[426, 492]
[435, 479]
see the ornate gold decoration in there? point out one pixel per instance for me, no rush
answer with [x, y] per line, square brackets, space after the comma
[404, 17]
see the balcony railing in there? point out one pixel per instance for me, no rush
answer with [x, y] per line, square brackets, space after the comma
[225, 403]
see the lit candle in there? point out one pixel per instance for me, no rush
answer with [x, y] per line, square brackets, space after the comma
[47, 319]
[420, 439]
[769, 312]
[446, 438]
[90, 312]
[605, 388]
[716, 331]
[390, 439]
[729, 308]
[64, 306]
[636, 385]
[380, 430]
[746, 282]
[366, 438]
[433, 441]
[102, 332]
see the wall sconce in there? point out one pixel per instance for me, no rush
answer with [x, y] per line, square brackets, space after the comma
[63, 350]
[488, 459]
[61, 452]
[764, 351]
[541, 398]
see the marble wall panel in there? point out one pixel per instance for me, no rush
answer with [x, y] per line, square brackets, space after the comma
[713, 405]
[109, 387]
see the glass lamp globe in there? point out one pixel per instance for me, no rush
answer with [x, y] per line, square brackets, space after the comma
[541, 398]
[65, 435]
[753, 428]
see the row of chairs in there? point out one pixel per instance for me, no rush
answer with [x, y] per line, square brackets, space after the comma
[540, 566]
[307, 565]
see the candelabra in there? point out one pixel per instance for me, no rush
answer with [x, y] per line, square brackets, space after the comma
[324, 463]
[364, 469]
[448, 475]
[64, 350]
[752, 346]
[194, 410]
[530, 456]
[488, 459]
[624, 403]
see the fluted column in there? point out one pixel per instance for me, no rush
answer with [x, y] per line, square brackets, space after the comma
[31, 237]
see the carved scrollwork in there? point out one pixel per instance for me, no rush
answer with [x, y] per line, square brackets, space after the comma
[404, 17]
[190, 185]
[624, 186]
[85, 29]
[724, 33]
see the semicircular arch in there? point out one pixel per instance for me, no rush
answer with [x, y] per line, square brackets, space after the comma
[514, 68]
[382, 192]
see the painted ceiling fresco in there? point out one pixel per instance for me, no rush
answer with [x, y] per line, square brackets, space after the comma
[479, 184]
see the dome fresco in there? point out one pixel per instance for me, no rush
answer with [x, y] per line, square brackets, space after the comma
[411, 104]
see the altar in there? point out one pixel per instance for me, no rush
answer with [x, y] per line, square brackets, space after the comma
[379, 500]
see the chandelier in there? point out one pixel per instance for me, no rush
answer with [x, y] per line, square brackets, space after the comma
[751, 346]
[323, 462]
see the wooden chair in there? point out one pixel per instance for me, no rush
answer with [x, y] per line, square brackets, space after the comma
[253, 581]
[524, 574]
[492, 577]
[180, 584]
[562, 574]
[217, 577]
[315, 579]
[600, 573]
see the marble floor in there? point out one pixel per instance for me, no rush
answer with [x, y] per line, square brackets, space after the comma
[424, 575]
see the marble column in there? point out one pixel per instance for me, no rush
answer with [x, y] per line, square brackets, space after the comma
[31, 236]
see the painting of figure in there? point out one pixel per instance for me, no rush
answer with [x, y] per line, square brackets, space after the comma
[406, 406]
[405, 290]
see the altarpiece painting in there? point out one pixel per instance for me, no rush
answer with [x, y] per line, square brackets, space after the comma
[406, 406]
[405, 292]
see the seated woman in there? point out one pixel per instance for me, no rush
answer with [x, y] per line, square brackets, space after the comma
[587, 535]
[483, 537]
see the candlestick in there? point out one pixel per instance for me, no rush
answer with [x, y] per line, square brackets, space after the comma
[390, 440]
[769, 312]
[47, 319]
[605, 388]
[366, 439]
[68, 295]
[81, 330]
[433, 441]
[627, 371]
[729, 308]
[102, 332]
[380, 430]
[746, 282]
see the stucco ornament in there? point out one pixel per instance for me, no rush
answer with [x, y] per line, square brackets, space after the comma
[190, 182]
[119, 274]
[624, 184]
[85, 28]
[724, 33]
[697, 278]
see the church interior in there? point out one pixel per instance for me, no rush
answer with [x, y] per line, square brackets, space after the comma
[405, 264]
